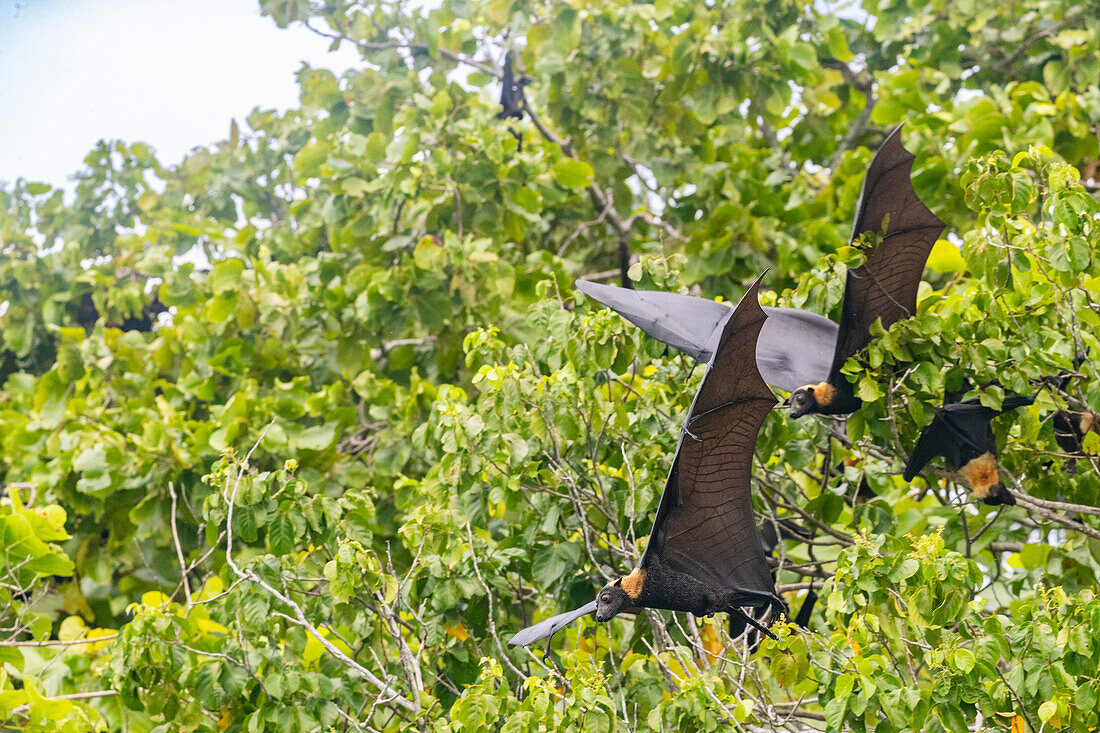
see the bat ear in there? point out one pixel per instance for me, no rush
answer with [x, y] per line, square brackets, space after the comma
[619, 583]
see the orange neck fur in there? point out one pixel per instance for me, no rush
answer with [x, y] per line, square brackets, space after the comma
[982, 475]
[633, 583]
[824, 394]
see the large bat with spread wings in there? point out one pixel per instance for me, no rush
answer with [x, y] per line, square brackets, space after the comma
[884, 287]
[797, 349]
[704, 554]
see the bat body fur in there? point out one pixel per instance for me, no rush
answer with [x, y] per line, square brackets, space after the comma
[983, 477]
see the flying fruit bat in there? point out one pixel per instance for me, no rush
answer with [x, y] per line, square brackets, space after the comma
[704, 553]
[796, 348]
[962, 434]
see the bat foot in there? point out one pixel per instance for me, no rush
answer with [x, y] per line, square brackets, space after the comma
[745, 618]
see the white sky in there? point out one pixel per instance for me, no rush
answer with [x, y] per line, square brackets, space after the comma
[171, 73]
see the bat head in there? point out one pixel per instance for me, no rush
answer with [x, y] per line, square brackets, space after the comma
[802, 401]
[611, 600]
[999, 494]
[811, 398]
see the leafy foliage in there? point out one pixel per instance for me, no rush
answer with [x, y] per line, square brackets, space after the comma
[297, 432]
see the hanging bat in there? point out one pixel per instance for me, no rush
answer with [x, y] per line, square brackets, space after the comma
[884, 287]
[961, 433]
[511, 97]
[511, 92]
[704, 553]
[1070, 429]
[794, 347]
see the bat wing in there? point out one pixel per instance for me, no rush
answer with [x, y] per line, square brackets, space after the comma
[795, 347]
[705, 525]
[685, 323]
[550, 626]
[1014, 401]
[885, 285]
[934, 441]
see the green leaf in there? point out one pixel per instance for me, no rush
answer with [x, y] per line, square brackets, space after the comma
[573, 173]
[318, 437]
[281, 535]
[963, 659]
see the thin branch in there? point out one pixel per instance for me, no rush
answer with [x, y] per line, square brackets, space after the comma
[179, 548]
[58, 642]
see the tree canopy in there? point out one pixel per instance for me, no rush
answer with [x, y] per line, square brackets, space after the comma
[296, 433]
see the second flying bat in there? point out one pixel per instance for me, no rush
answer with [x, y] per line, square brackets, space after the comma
[704, 553]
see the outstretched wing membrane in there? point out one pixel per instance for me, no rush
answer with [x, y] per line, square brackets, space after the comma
[705, 525]
[885, 285]
[795, 347]
[550, 626]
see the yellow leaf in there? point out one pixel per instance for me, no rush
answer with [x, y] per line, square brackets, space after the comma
[53, 514]
[459, 632]
[207, 626]
[213, 587]
[96, 634]
[154, 599]
[945, 257]
[712, 644]
[1018, 724]
[72, 628]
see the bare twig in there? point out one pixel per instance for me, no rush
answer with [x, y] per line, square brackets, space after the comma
[179, 548]
[58, 642]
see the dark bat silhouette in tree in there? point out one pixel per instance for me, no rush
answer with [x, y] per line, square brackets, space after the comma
[884, 287]
[1071, 426]
[796, 348]
[511, 97]
[1070, 429]
[704, 553]
[962, 434]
